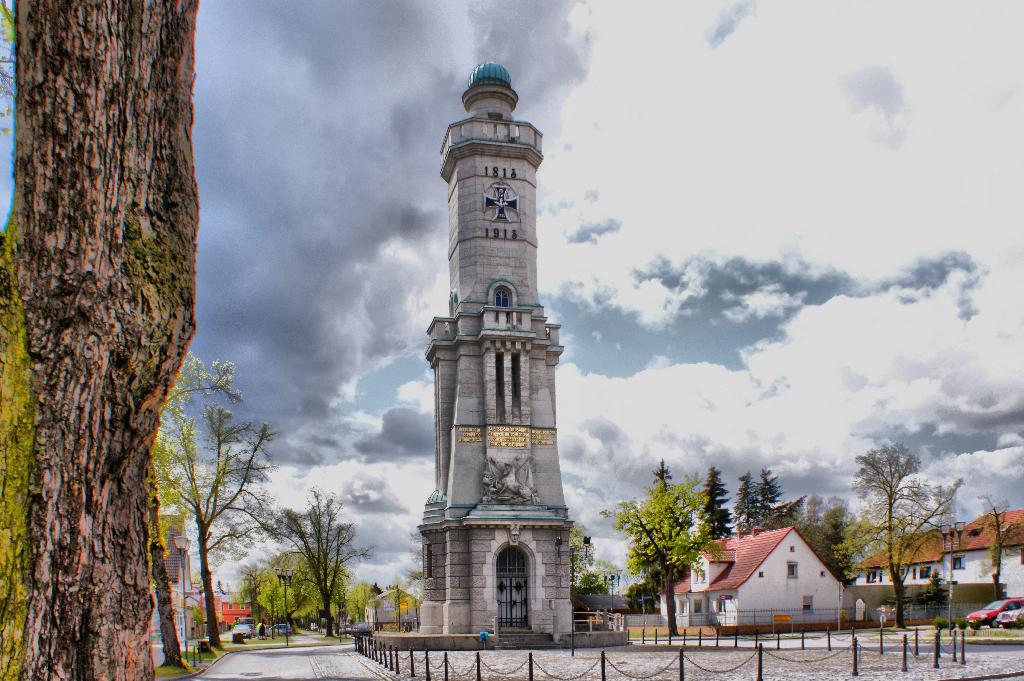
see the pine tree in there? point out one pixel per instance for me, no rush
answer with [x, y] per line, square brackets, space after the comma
[662, 474]
[715, 507]
[744, 510]
[767, 493]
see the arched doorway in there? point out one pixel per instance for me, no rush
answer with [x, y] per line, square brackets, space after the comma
[513, 579]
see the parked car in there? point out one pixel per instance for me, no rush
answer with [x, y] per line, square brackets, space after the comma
[1010, 619]
[282, 629]
[245, 630]
[359, 628]
[990, 612]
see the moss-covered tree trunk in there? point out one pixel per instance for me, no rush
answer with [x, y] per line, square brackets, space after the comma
[96, 313]
[206, 575]
[162, 582]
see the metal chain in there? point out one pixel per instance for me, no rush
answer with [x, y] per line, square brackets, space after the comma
[500, 672]
[777, 656]
[720, 671]
[647, 676]
[566, 678]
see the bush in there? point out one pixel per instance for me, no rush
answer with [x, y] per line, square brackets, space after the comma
[960, 623]
[975, 625]
[941, 623]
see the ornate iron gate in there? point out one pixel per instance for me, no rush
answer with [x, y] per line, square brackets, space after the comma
[512, 589]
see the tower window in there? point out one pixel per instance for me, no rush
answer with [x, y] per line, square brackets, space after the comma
[501, 297]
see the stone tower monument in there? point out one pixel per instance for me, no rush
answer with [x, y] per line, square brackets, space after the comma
[495, 530]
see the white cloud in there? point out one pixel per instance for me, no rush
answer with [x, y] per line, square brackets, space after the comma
[768, 301]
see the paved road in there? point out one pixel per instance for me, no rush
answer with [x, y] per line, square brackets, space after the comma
[333, 662]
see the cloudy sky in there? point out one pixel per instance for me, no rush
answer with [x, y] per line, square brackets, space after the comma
[776, 234]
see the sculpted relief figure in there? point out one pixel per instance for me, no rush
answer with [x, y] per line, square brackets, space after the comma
[509, 482]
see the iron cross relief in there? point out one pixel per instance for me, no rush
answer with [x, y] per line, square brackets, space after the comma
[501, 198]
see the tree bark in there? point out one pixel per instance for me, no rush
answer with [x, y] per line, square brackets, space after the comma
[670, 599]
[162, 585]
[212, 630]
[98, 288]
[898, 589]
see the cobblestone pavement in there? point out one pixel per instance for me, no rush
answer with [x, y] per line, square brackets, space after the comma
[724, 665]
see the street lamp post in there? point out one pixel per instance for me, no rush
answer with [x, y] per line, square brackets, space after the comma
[951, 539]
[572, 578]
[182, 542]
[284, 576]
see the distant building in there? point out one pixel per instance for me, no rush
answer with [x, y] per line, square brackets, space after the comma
[972, 567]
[233, 609]
[381, 613]
[756, 577]
[176, 572]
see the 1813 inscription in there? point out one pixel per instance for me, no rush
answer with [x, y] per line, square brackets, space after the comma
[469, 434]
[543, 436]
[508, 436]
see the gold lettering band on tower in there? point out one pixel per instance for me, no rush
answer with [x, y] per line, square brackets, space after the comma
[543, 436]
[517, 437]
[469, 434]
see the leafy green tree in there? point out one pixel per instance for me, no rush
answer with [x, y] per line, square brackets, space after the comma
[222, 476]
[716, 509]
[591, 583]
[994, 521]
[824, 524]
[667, 531]
[900, 511]
[581, 555]
[357, 597]
[745, 509]
[325, 542]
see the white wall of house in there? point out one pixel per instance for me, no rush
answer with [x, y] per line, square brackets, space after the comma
[772, 587]
[974, 567]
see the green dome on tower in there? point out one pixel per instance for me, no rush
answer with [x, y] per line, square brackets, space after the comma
[490, 73]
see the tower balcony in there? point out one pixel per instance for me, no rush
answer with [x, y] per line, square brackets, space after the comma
[495, 318]
[502, 137]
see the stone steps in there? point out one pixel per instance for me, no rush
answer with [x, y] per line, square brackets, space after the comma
[524, 640]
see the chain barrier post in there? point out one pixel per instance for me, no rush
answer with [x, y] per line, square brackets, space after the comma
[757, 637]
[853, 647]
[963, 648]
[954, 643]
[802, 640]
[881, 642]
[398, 662]
[828, 637]
[778, 641]
[935, 651]
[426, 663]
[655, 637]
[905, 653]
[412, 664]
[682, 671]
[478, 665]
[916, 649]
[530, 660]
[446, 665]
[684, 638]
[643, 636]
[670, 635]
[700, 637]
[604, 676]
[760, 662]
[736, 637]
[716, 637]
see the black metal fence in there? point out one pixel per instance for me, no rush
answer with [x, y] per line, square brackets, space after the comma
[854, 653]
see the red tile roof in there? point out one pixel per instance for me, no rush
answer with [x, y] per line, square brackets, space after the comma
[742, 555]
[977, 537]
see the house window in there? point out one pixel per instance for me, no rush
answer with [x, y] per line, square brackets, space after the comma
[698, 607]
[914, 572]
[958, 562]
[719, 606]
[698, 576]
[760, 574]
[791, 570]
[502, 297]
[925, 572]
[872, 576]
[792, 549]
[808, 603]
[821, 574]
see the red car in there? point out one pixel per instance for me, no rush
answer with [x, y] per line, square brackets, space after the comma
[990, 612]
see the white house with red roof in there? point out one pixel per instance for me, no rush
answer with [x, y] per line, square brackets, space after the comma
[755, 577]
[971, 563]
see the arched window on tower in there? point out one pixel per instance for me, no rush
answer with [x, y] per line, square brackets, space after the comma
[502, 297]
